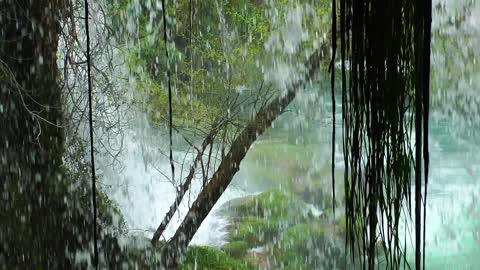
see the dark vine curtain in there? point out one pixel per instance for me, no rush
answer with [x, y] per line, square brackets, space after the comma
[385, 59]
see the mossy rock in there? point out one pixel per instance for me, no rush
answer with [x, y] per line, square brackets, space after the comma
[274, 205]
[258, 219]
[262, 260]
[309, 246]
[304, 237]
[236, 249]
[283, 225]
[254, 230]
[208, 258]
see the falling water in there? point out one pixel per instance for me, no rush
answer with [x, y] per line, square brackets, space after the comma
[453, 208]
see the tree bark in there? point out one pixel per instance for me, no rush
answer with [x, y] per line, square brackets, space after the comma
[31, 137]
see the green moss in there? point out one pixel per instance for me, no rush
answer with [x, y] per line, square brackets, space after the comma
[275, 205]
[254, 230]
[303, 237]
[188, 112]
[280, 222]
[258, 219]
[342, 223]
[309, 246]
[237, 249]
[207, 258]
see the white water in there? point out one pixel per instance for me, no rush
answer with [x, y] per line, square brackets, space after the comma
[144, 195]
[453, 215]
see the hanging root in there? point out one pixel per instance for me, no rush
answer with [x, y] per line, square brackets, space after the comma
[384, 96]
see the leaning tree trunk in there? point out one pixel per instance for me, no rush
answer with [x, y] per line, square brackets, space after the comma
[31, 137]
[229, 166]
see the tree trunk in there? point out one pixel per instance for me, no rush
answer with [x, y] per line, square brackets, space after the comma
[183, 188]
[31, 143]
[229, 166]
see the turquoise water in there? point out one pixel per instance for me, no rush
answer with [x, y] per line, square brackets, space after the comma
[453, 205]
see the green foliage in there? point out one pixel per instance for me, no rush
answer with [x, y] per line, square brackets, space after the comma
[342, 223]
[110, 217]
[211, 58]
[203, 74]
[188, 113]
[301, 237]
[207, 258]
[236, 249]
[290, 237]
[308, 246]
[254, 230]
[260, 218]
[274, 205]
[76, 185]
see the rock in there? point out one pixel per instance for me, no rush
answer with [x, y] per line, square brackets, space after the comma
[291, 235]
[259, 257]
[274, 204]
[254, 230]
